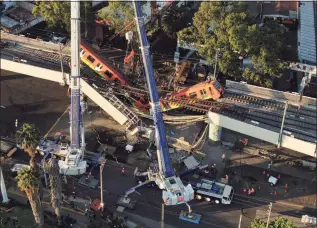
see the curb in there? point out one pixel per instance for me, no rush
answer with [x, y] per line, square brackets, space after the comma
[49, 204]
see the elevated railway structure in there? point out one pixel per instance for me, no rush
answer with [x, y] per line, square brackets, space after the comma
[257, 112]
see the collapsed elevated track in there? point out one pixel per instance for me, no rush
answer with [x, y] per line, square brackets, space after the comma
[256, 111]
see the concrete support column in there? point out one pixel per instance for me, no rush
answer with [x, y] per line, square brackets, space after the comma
[214, 132]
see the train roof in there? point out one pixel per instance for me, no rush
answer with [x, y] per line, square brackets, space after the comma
[101, 59]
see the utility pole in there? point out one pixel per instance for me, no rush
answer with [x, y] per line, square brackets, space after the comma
[5, 198]
[215, 68]
[61, 60]
[269, 215]
[16, 133]
[102, 165]
[240, 220]
[86, 32]
[162, 216]
[280, 137]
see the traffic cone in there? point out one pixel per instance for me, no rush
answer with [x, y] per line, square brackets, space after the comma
[244, 191]
[275, 193]
[259, 187]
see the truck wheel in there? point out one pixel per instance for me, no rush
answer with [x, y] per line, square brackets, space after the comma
[207, 199]
[217, 201]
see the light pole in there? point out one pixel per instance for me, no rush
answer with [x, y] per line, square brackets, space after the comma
[269, 215]
[5, 198]
[282, 127]
[61, 60]
[16, 133]
[102, 165]
[240, 220]
[215, 68]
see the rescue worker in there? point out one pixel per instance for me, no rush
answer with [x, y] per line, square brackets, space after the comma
[223, 157]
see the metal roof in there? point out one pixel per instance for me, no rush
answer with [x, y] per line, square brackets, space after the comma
[307, 49]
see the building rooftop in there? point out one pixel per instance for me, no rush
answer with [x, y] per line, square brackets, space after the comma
[18, 17]
[307, 21]
[282, 8]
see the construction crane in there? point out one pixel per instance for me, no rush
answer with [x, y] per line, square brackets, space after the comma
[174, 191]
[74, 154]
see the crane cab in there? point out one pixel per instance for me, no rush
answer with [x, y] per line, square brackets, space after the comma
[175, 192]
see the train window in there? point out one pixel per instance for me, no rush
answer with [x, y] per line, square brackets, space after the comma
[108, 73]
[203, 92]
[183, 97]
[210, 90]
[217, 85]
[98, 65]
[193, 95]
[91, 59]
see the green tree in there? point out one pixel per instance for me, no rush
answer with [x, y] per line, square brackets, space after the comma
[55, 13]
[56, 188]
[29, 136]
[277, 223]
[29, 182]
[119, 15]
[226, 27]
[175, 19]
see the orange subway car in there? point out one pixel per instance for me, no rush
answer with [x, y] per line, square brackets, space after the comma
[100, 66]
[202, 91]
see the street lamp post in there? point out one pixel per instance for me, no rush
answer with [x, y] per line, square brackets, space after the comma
[16, 133]
[215, 68]
[5, 198]
[102, 165]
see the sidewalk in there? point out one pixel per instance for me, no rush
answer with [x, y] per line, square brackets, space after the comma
[249, 173]
[82, 220]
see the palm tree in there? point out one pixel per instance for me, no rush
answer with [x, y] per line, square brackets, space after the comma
[56, 188]
[30, 137]
[29, 182]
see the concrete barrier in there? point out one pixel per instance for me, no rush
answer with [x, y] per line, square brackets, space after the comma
[308, 102]
[34, 43]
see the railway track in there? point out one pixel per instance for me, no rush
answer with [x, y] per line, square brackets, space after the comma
[246, 108]
[269, 105]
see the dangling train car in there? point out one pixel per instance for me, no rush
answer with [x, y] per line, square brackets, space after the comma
[202, 91]
[100, 66]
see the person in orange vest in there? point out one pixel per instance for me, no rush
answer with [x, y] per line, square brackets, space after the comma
[252, 191]
[122, 171]
[227, 177]
[244, 191]
[249, 192]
